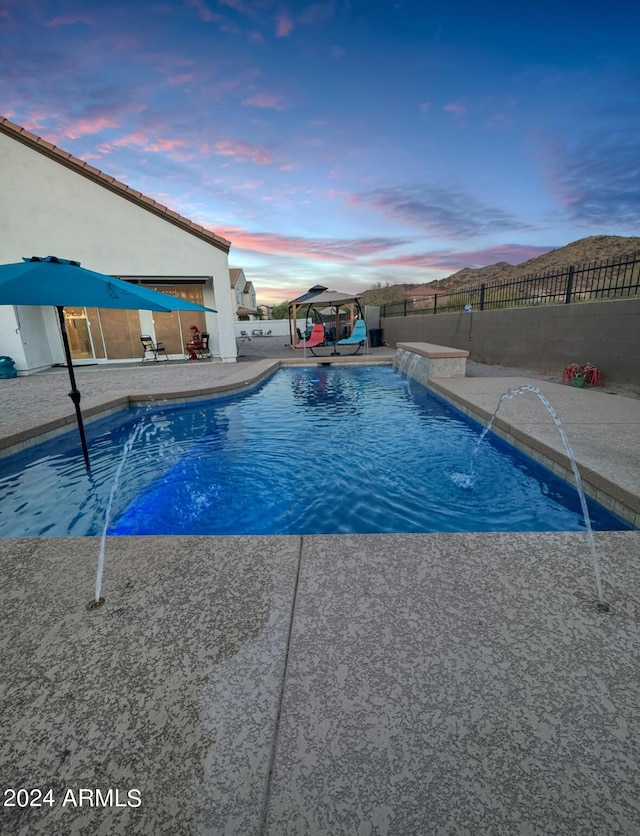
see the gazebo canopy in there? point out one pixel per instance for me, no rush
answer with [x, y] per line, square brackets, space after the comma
[330, 298]
[313, 291]
[319, 299]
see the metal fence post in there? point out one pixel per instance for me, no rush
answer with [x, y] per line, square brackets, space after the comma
[405, 307]
[569, 285]
[482, 286]
[435, 303]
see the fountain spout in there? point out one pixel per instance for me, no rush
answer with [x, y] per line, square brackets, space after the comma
[601, 604]
[97, 600]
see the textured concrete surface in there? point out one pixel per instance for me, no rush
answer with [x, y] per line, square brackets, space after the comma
[460, 684]
[325, 685]
[171, 688]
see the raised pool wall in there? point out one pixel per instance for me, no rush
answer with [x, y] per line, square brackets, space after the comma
[544, 339]
[422, 361]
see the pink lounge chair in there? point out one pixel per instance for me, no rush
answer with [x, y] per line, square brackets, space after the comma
[315, 338]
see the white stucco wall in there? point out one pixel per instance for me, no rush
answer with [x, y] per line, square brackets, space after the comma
[49, 209]
[278, 327]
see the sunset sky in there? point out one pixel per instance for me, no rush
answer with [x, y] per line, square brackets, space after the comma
[346, 142]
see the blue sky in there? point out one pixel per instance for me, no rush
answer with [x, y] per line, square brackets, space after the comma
[346, 142]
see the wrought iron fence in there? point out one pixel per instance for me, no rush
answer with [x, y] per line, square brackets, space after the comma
[608, 279]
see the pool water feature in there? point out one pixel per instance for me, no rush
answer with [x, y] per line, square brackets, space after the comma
[129, 444]
[312, 450]
[520, 390]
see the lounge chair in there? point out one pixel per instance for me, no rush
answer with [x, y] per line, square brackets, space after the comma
[357, 337]
[203, 349]
[315, 338]
[151, 348]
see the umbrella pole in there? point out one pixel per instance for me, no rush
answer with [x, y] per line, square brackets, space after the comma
[74, 394]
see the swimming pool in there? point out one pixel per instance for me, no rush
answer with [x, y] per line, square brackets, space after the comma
[312, 450]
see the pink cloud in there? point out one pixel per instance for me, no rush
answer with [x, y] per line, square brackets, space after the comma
[452, 261]
[242, 151]
[239, 6]
[165, 144]
[226, 87]
[251, 185]
[32, 122]
[456, 108]
[266, 100]
[203, 11]
[284, 25]
[89, 125]
[315, 249]
[141, 142]
[424, 107]
[317, 13]
[179, 80]
[69, 20]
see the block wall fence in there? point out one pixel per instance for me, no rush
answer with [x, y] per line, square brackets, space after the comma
[544, 339]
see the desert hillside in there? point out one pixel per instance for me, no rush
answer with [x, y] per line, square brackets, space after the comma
[585, 250]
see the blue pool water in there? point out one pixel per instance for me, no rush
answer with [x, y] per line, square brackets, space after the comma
[312, 450]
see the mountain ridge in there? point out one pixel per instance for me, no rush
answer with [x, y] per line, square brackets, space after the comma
[583, 251]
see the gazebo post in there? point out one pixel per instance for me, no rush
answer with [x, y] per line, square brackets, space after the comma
[293, 323]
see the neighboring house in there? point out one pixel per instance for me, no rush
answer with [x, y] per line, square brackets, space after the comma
[52, 203]
[244, 295]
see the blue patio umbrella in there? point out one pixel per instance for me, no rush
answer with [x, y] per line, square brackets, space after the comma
[63, 283]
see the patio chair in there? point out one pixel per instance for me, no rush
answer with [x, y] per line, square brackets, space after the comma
[203, 349]
[357, 337]
[316, 337]
[149, 347]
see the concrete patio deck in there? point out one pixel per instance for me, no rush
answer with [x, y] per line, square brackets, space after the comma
[370, 684]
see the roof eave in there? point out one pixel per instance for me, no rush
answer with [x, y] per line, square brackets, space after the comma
[81, 167]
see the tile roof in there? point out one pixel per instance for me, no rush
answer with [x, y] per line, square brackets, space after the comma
[102, 179]
[234, 275]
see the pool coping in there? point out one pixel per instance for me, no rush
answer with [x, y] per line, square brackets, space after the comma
[602, 489]
[15, 442]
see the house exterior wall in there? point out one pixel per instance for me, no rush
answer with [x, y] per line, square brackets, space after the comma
[244, 294]
[249, 296]
[49, 209]
[545, 339]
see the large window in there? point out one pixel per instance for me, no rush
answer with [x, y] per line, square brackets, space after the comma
[115, 334]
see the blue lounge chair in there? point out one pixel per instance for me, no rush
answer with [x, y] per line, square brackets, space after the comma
[358, 336]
